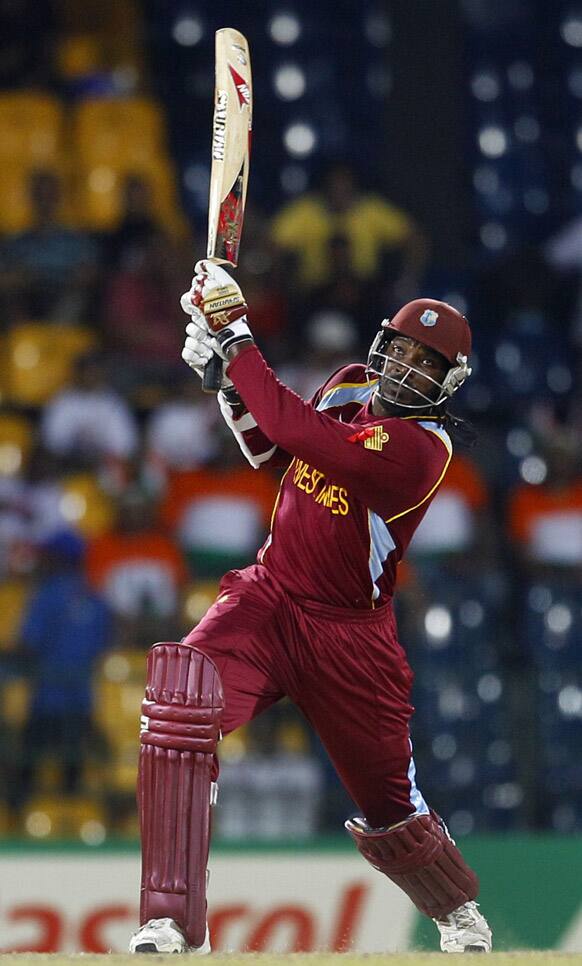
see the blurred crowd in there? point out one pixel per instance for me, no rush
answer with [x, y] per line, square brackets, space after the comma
[124, 498]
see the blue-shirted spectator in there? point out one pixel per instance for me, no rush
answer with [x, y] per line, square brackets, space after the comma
[65, 629]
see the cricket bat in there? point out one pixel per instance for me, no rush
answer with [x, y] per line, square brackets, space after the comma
[229, 175]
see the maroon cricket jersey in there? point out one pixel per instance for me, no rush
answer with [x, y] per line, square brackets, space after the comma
[355, 489]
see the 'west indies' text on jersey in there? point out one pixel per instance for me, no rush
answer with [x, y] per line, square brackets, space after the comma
[355, 488]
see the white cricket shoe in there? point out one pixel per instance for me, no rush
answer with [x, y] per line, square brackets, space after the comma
[165, 936]
[465, 930]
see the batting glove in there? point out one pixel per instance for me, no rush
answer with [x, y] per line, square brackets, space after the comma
[219, 297]
[200, 345]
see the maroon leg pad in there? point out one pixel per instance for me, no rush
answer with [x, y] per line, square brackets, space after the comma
[420, 857]
[181, 717]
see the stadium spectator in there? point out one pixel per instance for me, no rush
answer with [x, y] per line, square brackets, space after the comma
[65, 628]
[49, 271]
[219, 513]
[139, 315]
[382, 239]
[89, 420]
[138, 569]
[179, 432]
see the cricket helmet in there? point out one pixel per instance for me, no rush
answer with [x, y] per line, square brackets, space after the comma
[436, 325]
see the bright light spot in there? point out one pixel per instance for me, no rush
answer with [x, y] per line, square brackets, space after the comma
[520, 75]
[493, 235]
[10, 459]
[504, 795]
[527, 129]
[38, 825]
[461, 823]
[571, 30]
[559, 378]
[92, 832]
[462, 770]
[570, 701]
[540, 598]
[471, 613]
[492, 141]
[459, 302]
[489, 688]
[73, 506]
[300, 139]
[116, 668]
[558, 619]
[533, 470]
[188, 31]
[438, 622]
[452, 702]
[485, 85]
[575, 82]
[444, 747]
[519, 442]
[284, 29]
[289, 82]
[377, 29]
[293, 179]
[486, 180]
[102, 180]
[508, 357]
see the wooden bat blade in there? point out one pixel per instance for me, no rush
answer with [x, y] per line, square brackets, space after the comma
[231, 137]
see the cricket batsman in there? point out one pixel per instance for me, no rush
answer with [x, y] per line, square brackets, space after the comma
[312, 619]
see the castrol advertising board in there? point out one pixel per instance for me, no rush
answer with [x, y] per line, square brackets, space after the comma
[267, 902]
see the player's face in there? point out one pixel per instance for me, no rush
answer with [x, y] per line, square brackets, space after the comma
[413, 373]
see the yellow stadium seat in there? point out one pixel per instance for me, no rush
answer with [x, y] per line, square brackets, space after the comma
[100, 188]
[15, 696]
[108, 131]
[15, 207]
[16, 439]
[31, 126]
[85, 505]
[119, 690]
[47, 817]
[198, 597]
[14, 594]
[40, 358]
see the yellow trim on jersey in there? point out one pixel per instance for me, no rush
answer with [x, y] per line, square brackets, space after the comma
[449, 450]
[269, 540]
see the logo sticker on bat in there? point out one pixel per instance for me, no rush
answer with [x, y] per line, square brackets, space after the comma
[242, 88]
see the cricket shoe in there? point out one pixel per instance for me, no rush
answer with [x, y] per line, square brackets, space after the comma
[165, 936]
[465, 930]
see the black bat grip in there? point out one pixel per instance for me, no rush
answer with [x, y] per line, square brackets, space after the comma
[212, 375]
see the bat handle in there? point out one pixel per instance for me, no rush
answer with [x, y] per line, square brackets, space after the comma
[212, 375]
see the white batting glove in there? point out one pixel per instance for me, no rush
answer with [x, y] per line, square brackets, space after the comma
[219, 297]
[200, 346]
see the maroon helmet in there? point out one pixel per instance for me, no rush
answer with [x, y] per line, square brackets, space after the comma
[436, 325]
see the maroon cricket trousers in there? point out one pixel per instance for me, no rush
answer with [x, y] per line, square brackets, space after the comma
[343, 668]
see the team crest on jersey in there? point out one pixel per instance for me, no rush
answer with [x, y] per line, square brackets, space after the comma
[429, 317]
[376, 440]
[373, 437]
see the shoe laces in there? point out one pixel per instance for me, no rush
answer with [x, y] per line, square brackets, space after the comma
[465, 916]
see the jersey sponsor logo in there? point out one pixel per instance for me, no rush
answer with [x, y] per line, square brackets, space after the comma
[429, 318]
[313, 482]
[373, 437]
